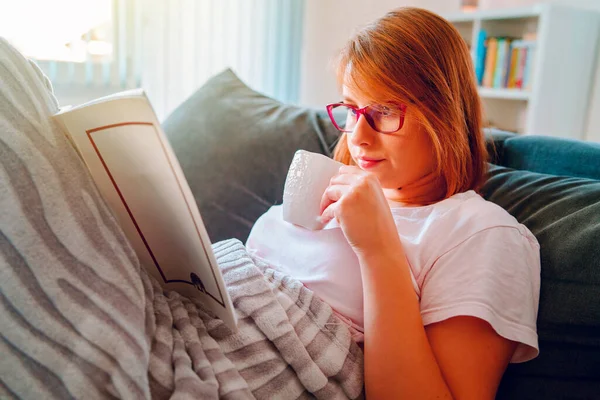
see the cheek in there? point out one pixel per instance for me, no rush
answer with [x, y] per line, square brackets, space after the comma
[418, 140]
[425, 154]
[423, 143]
[413, 151]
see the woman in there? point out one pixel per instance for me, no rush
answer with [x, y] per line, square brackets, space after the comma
[408, 220]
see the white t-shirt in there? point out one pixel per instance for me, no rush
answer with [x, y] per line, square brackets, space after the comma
[467, 256]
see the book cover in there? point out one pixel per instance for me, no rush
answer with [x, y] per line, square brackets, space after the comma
[131, 162]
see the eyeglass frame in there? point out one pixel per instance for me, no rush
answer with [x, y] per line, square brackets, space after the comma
[364, 112]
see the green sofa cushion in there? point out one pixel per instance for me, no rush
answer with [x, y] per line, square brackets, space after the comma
[551, 155]
[235, 146]
[564, 214]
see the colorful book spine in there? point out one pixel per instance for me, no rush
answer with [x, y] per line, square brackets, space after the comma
[522, 65]
[490, 62]
[500, 61]
[512, 73]
[517, 63]
[480, 54]
[529, 65]
[506, 64]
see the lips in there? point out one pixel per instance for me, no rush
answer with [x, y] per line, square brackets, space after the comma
[368, 162]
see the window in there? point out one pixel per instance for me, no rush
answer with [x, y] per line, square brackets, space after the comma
[84, 47]
[60, 30]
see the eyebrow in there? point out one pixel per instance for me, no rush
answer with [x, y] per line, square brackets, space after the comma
[348, 99]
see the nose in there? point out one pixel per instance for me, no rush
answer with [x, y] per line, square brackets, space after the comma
[363, 134]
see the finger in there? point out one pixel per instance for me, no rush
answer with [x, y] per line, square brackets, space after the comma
[349, 175]
[325, 201]
[328, 214]
[343, 179]
[331, 195]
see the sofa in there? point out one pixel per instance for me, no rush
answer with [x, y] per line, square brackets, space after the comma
[235, 146]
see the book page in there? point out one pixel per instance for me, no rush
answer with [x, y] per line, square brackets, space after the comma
[136, 171]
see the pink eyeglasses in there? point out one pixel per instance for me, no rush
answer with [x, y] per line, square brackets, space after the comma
[382, 118]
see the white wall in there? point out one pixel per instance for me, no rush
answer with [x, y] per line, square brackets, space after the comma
[329, 23]
[327, 26]
[592, 132]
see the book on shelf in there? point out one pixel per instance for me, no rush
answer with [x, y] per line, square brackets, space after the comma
[490, 62]
[121, 142]
[504, 62]
[513, 68]
[480, 51]
[520, 49]
[501, 61]
[529, 64]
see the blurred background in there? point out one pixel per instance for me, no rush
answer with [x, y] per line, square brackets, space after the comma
[283, 48]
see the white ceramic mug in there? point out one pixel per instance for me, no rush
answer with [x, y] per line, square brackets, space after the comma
[306, 181]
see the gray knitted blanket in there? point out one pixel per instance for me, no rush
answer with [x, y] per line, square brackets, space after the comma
[80, 318]
[289, 344]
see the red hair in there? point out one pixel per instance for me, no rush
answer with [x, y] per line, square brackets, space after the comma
[415, 57]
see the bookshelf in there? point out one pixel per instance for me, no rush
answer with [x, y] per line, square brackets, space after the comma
[507, 94]
[563, 42]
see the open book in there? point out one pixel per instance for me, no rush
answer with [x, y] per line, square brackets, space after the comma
[121, 141]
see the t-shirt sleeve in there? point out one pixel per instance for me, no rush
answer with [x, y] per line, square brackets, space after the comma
[493, 275]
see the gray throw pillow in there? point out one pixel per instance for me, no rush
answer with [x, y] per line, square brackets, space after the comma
[235, 146]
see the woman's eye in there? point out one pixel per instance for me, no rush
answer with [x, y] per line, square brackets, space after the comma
[385, 111]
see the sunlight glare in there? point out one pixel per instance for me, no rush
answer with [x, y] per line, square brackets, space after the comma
[56, 29]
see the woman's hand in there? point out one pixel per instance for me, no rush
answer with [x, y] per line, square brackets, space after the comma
[355, 198]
